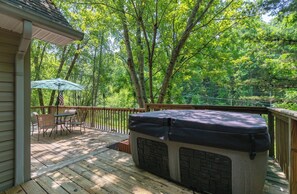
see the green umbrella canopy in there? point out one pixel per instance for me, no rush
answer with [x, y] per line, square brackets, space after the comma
[56, 84]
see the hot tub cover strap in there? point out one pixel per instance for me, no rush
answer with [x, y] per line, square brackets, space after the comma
[253, 147]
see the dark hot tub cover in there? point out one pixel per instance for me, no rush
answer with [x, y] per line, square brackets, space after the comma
[221, 129]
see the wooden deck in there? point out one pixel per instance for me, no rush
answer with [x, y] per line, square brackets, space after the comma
[51, 153]
[76, 163]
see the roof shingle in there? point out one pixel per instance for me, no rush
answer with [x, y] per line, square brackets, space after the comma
[44, 8]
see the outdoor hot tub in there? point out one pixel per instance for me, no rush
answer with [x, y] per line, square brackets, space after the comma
[207, 151]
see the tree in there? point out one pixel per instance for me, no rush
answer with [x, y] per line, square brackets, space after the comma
[173, 51]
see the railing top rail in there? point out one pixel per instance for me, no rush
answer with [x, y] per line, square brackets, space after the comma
[94, 108]
[253, 109]
[256, 110]
[41, 106]
[284, 112]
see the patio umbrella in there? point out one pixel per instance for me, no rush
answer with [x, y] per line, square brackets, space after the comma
[61, 98]
[56, 84]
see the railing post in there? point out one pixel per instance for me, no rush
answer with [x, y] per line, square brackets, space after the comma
[50, 110]
[92, 118]
[146, 106]
[293, 157]
[271, 132]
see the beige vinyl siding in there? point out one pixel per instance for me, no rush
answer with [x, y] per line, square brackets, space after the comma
[6, 145]
[6, 68]
[8, 48]
[6, 106]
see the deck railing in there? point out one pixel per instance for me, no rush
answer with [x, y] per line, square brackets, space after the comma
[107, 119]
[282, 125]
[286, 143]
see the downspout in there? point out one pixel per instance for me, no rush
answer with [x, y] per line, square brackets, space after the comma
[19, 102]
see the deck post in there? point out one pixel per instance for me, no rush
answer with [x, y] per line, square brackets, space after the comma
[92, 117]
[293, 158]
[271, 133]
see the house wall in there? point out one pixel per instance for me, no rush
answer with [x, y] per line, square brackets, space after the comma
[8, 47]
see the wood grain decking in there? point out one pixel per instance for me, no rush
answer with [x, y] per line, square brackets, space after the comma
[276, 182]
[51, 153]
[76, 163]
[107, 172]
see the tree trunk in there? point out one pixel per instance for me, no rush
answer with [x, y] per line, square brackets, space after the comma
[94, 76]
[38, 73]
[98, 69]
[76, 55]
[150, 48]
[192, 21]
[130, 61]
[140, 57]
[62, 62]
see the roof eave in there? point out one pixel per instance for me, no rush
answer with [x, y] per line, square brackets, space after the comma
[41, 21]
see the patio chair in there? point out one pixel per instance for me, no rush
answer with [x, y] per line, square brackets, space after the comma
[45, 122]
[34, 122]
[80, 120]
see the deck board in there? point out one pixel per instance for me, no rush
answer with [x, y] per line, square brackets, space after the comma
[49, 185]
[113, 175]
[66, 183]
[126, 169]
[99, 179]
[83, 182]
[97, 169]
[32, 187]
[51, 153]
[18, 189]
[276, 182]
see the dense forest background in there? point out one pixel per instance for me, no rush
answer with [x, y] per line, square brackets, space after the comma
[219, 52]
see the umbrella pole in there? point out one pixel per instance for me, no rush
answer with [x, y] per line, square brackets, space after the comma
[58, 102]
[57, 107]
[58, 99]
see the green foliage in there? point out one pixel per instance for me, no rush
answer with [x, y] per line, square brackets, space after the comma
[231, 57]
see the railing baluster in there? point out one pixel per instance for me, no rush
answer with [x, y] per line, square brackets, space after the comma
[105, 119]
[108, 117]
[271, 132]
[118, 121]
[102, 126]
[100, 119]
[122, 122]
[112, 120]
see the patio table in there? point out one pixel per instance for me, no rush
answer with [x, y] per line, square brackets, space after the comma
[61, 120]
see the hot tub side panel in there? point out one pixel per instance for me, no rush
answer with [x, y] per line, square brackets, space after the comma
[248, 175]
[172, 151]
